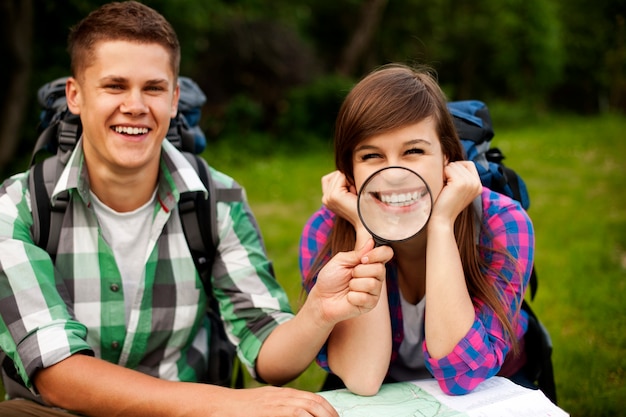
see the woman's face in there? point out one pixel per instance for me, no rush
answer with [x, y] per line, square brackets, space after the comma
[416, 147]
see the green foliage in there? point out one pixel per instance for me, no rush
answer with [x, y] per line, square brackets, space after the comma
[306, 119]
[196, 20]
[544, 52]
[242, 116]
[310, 110]
[594, 44]
[484, 48]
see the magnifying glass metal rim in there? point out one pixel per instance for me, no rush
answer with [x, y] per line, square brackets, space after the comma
[377, 238]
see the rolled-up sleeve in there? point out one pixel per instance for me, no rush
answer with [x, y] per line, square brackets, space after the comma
[252, 302]
[37, 329]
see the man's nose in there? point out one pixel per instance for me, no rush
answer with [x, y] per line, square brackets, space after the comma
[134, 103]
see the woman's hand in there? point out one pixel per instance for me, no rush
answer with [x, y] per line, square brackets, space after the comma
[462, 186]
[340, 197]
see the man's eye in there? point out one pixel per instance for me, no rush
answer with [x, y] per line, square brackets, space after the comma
[114, 87]
[155, 88]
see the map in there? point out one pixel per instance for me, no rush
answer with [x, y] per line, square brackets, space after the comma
[495, 397]
[402, 399]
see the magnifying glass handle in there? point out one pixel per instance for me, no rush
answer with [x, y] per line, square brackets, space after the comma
[379, 242]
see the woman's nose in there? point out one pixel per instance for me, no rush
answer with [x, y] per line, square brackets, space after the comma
[397, 175]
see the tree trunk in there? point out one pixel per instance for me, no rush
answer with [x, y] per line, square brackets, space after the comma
[16, 23]
[370, 16]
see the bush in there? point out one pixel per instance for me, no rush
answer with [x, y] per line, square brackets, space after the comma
[305, 119]
[310, 110]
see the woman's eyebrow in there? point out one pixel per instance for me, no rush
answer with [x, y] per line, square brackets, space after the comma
[365, 148]
[418, 142]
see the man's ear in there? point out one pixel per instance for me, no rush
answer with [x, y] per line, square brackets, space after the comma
[175, 98]
[72, 95]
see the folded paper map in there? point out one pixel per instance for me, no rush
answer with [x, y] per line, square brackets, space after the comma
[496, 397]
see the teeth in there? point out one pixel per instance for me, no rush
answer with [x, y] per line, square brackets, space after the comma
[401, 199]
[131, 130]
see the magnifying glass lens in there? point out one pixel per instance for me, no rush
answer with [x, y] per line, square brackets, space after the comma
[394, 204]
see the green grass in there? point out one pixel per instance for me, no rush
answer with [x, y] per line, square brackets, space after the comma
[575, 171]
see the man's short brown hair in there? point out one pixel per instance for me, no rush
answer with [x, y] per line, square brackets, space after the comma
[126, 21]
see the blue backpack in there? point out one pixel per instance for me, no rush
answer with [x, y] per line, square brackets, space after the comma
[473, 124]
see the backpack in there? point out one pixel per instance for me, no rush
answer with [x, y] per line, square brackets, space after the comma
[59, 132]
[473, 124]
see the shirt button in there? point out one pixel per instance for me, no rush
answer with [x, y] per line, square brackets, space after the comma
[115, 287]
[115, 344]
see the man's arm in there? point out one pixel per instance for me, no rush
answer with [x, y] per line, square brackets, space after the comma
[348, 286]
[94, 387]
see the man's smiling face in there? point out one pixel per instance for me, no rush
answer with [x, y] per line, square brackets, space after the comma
[125, 99]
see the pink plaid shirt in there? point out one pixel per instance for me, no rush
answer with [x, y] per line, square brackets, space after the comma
[481, 353]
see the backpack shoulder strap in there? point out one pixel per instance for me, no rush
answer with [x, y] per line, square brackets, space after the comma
[199, 218]
[47, 219]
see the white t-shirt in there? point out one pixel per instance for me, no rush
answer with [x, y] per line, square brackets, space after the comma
[128, 235]
[410, 363]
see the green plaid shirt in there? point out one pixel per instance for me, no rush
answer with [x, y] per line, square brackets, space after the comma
[51, 311]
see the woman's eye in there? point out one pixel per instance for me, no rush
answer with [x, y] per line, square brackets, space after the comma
[415, 151]
[370, 156]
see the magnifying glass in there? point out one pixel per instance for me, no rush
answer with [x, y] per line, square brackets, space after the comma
[394, 204]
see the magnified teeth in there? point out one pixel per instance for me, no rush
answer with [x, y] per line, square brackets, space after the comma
[400, 199]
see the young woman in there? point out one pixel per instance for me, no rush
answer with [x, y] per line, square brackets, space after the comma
[451, 303]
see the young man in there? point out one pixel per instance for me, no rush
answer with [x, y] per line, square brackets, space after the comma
[117, 325]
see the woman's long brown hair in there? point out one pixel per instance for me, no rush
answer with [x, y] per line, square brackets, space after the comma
[389, 98]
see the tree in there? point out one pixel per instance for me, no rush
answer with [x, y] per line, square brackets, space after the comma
[594, 44]
[363, 31]
[16, 22]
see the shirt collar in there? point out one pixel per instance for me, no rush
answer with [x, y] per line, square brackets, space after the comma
[176, 176]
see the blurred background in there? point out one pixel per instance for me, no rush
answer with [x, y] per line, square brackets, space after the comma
[278, 68]
[553, 73]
